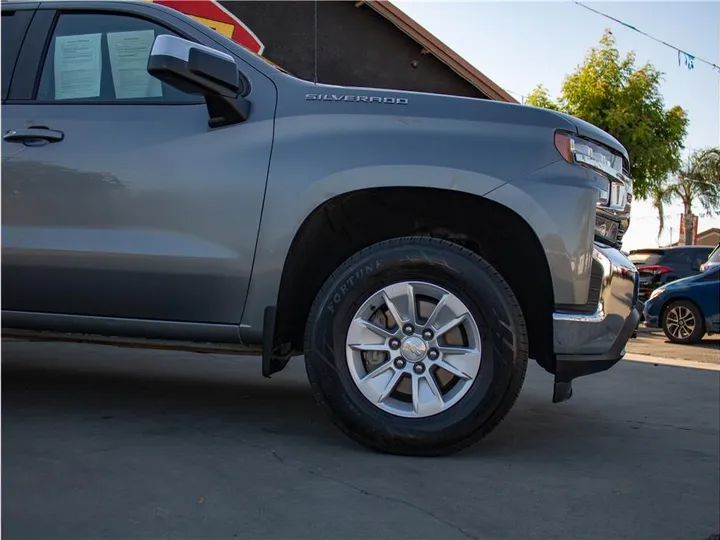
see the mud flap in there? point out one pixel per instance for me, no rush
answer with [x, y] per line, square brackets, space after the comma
[271, 362]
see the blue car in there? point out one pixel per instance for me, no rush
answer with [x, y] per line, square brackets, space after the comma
[688, 308]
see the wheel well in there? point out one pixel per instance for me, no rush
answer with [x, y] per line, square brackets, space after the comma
[350, 222]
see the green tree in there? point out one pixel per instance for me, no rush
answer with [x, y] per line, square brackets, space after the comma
[611, 93]
[540, 97]
[697, 182]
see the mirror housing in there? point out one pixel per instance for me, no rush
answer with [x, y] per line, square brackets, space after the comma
[197, 69]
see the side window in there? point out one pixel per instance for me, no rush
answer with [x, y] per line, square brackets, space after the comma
[103, 57]
[680, 256]
[14, 26]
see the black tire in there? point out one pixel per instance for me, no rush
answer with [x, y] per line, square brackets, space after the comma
[699, 330]
[491, 303]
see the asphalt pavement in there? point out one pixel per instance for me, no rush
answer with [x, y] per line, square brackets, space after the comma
[104, 442]
[652, 341]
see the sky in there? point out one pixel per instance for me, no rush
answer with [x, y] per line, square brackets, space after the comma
[521, 44]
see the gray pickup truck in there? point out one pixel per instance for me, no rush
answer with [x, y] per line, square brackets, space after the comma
[163, 186]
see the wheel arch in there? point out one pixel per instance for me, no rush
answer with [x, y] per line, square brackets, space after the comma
[348, 222]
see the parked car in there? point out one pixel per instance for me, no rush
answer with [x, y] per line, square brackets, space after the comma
[162, 183]
[687, 308]
[658, 266]
[713, 259]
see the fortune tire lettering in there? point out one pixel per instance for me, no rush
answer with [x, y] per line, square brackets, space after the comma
[347, 286]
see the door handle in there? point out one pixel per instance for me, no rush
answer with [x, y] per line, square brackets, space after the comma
[33, 135]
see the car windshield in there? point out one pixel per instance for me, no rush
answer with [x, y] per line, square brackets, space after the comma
[715, 255]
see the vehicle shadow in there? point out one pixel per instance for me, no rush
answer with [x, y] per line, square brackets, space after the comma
[707, 343]
[189, 395]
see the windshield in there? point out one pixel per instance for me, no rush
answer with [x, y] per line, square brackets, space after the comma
[715, 255]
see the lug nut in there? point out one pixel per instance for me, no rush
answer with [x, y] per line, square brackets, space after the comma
[419, 368]
[408, 329]
[428, 334]
[433, 354]
[399, 363]
[395, 343]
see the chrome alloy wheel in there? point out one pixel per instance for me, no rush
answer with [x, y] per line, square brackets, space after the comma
[413, 349]
[680, 322]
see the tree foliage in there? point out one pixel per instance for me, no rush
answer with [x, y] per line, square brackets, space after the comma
[611, 93]
[540, 97]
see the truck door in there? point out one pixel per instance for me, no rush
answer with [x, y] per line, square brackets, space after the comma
[118, 199]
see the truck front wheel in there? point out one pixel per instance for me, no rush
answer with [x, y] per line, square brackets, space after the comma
[416, 346]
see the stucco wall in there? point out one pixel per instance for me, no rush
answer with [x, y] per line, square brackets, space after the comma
[356, 46]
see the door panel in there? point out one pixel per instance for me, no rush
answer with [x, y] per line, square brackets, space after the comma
[140, 211]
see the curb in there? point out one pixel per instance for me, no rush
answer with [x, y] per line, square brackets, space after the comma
[676, 362]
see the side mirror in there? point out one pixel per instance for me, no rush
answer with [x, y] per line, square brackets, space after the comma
[197, 69]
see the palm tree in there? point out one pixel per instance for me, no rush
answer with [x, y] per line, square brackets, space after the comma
[659, 197]
[697, 182]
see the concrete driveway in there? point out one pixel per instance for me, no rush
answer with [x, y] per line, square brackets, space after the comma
[102, 442]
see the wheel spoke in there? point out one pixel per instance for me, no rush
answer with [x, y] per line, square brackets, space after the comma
[374, 328]
[425, 400]
[436, 310]
[390, 387]
[434, 388]
[375, 384]
[461, 364]
[392, 308]
[369, 347]
[450, 325]
[411, 304]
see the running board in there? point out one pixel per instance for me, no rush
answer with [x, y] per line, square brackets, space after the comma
[12, 334]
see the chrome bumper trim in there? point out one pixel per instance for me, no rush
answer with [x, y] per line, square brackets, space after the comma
[577, 333]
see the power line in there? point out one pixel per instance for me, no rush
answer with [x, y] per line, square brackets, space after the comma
[689, 58]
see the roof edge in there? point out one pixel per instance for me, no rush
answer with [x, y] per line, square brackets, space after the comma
[445, 54]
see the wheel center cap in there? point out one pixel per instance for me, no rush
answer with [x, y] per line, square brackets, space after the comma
[413, 349]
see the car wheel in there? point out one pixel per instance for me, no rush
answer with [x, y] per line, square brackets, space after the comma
[416, 346]
[682, 322]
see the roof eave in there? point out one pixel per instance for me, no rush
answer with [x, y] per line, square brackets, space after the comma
[433, 45]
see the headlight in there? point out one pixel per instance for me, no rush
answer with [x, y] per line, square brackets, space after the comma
[617, 193]
[614, 184]
[656, 293]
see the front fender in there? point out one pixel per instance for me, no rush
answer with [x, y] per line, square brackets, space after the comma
[325, 150]
[558, 202]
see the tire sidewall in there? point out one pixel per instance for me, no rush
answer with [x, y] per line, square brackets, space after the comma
[474, 282]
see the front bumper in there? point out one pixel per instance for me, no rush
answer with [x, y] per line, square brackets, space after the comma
[651, 320]
[593, 342]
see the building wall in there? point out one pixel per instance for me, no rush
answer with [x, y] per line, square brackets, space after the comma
[709, 239]
[356, 46]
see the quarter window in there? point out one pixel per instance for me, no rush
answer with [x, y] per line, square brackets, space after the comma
[14, 26]
[103, 57]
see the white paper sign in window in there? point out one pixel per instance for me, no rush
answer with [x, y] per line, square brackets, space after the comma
[78, 66]
[129, 53]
